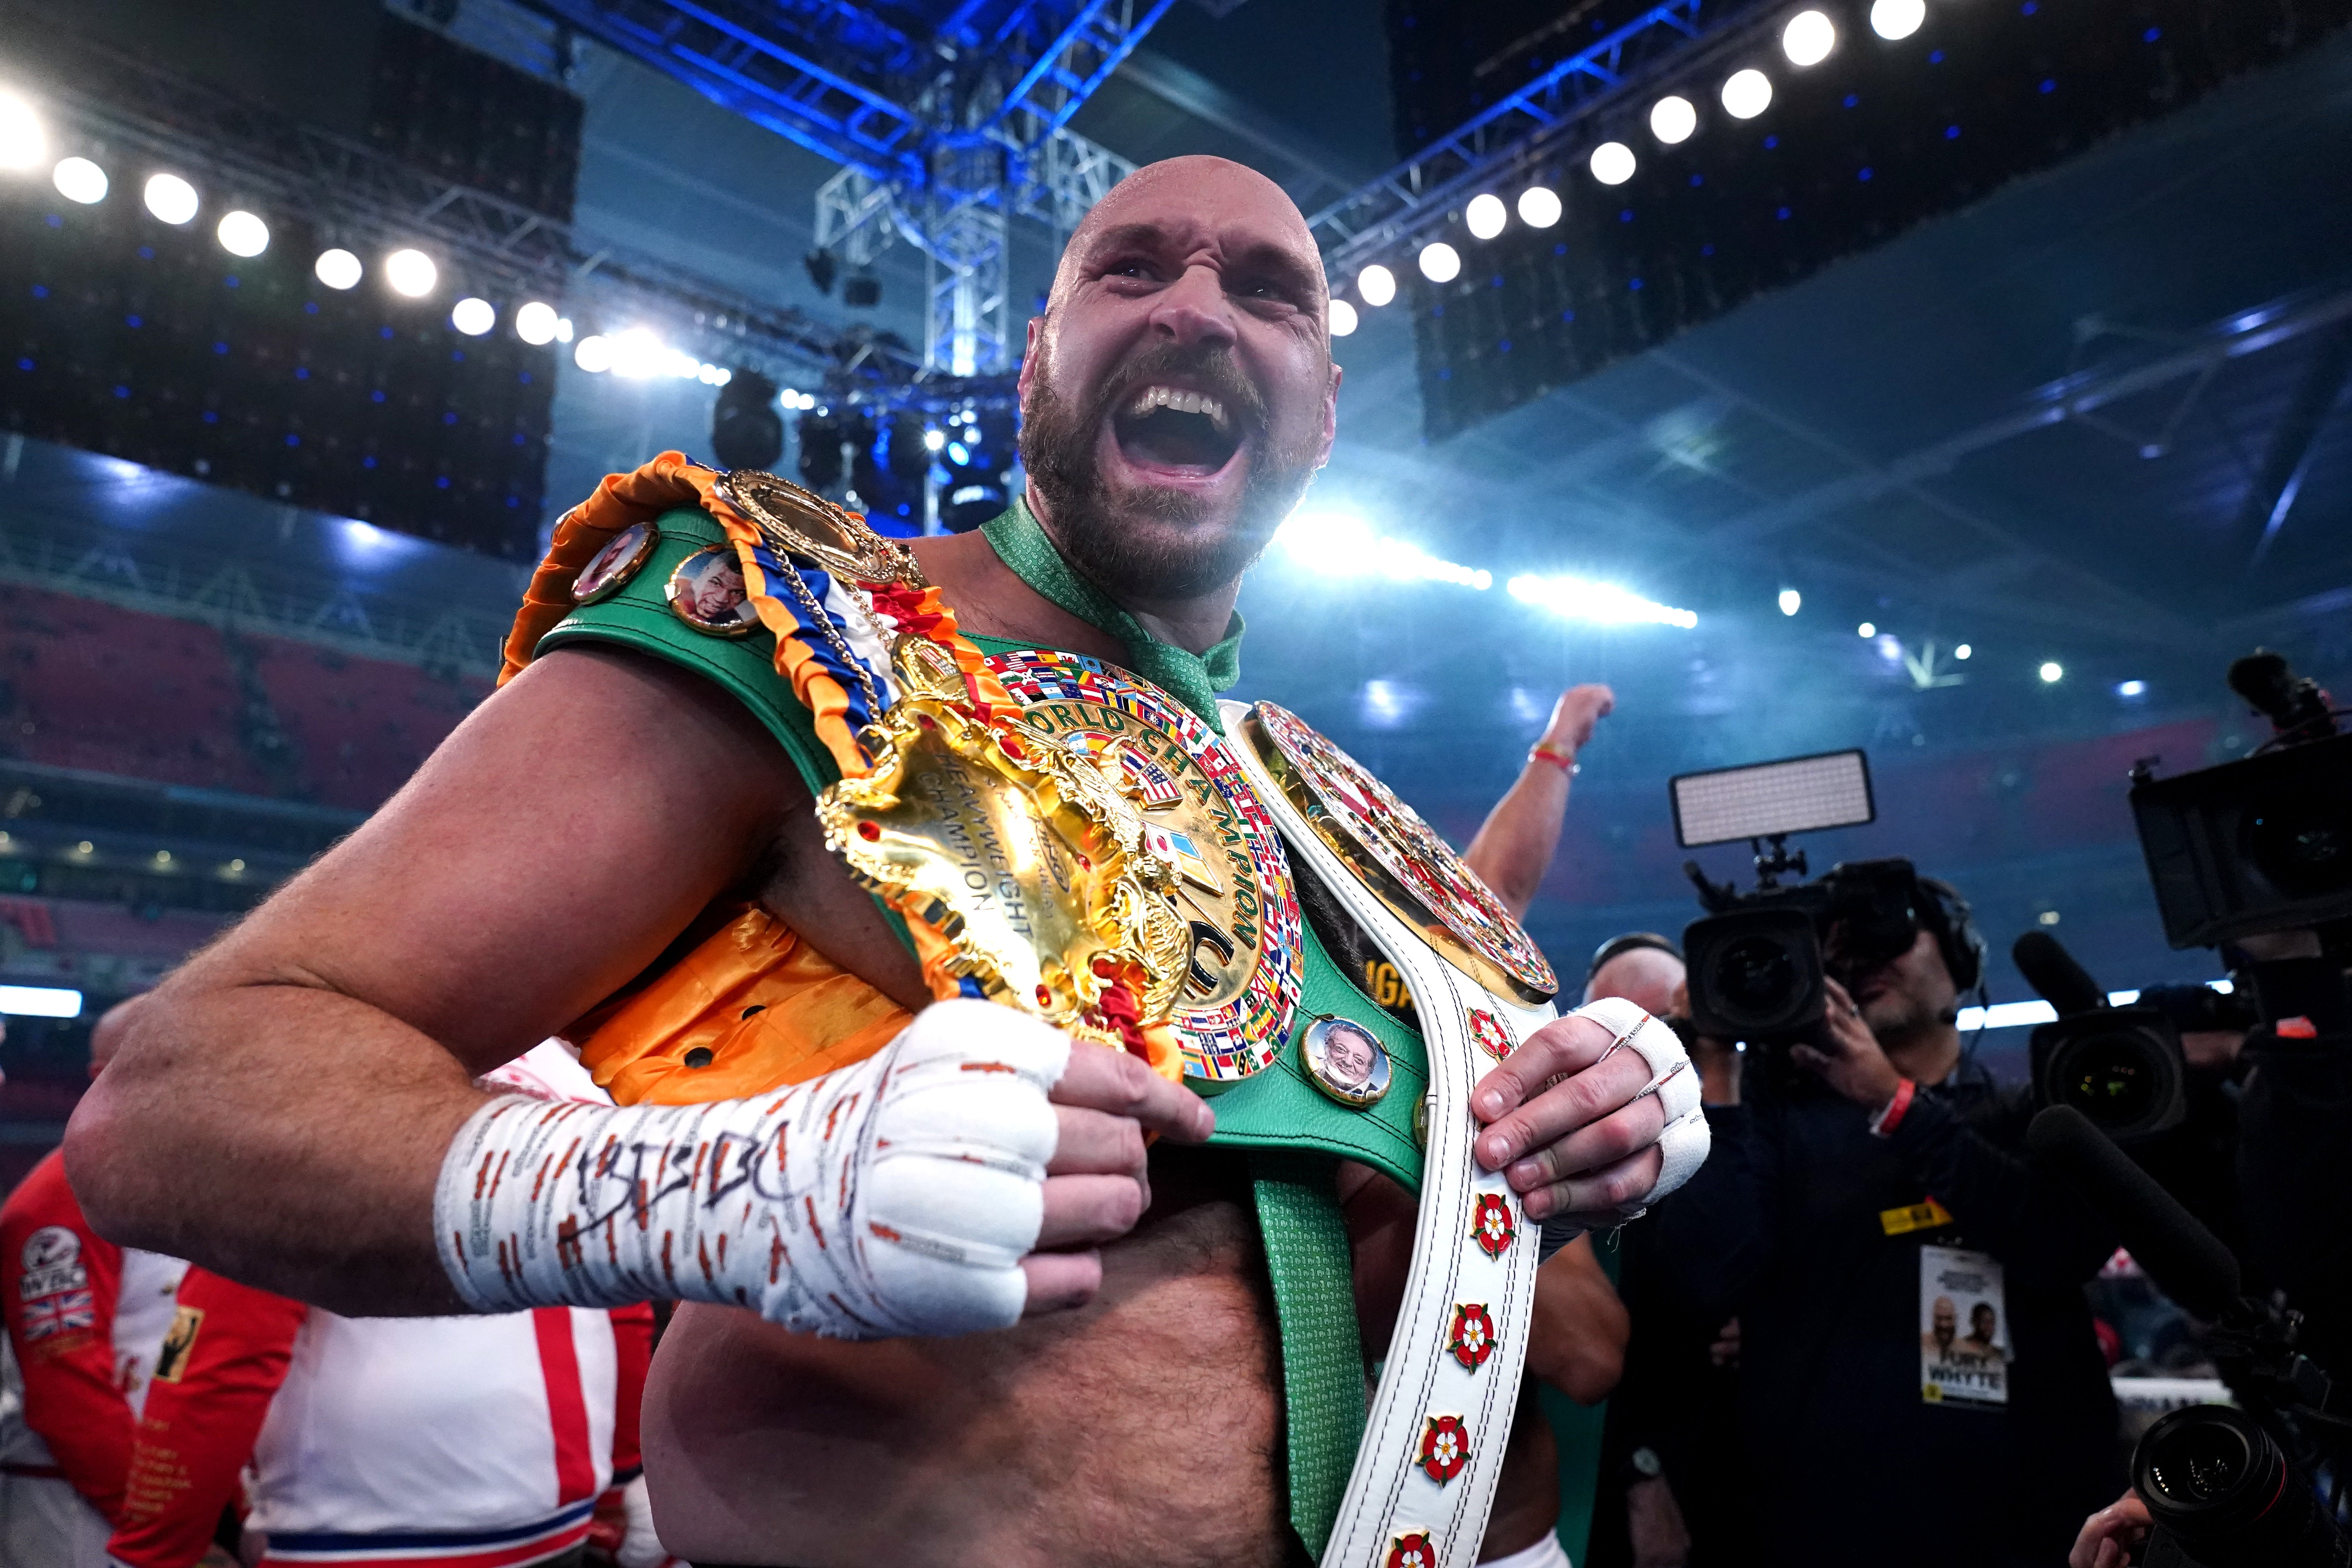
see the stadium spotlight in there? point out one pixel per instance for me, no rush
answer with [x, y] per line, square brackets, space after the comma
[23, 142]
[473, 317]
[1613, 163]
[562, 329]
[1746, 94]
[1440, 262]
[1377, 284]
[535, 323]
[1538, 206]
[411, 272]
[1964, 651]
[338, 268]
[171, 198]
[1672, 118]
[933, 440]
[1343, 318]
[1791, 601]
[593, 354]
[2131, 688]
[1865, 631]
[79, 180]
[1486, 215]
[1808, 38]
[1893, 19]
[242, 234]
[2051, 672]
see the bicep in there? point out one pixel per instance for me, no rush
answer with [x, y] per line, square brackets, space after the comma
[552, 847]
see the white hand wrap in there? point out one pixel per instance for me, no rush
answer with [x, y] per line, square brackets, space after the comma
[894, 1198]
[1684, 1143]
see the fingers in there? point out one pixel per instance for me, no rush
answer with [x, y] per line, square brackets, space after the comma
[1563, 1046]
[1586, 1095]
[1597, 1199]
[1811, 1060]
[1622, 1132]
[1059, 1281]
[1082, 1211]
[1101, 1079]
[1097, 1143]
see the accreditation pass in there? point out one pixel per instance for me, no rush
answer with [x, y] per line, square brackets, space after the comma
[1963, 1329]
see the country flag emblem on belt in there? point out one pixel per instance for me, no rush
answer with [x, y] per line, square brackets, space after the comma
[1414, 1551]
[1491, 1225]
[1472, 1337]
[1444, 1449]
[1180, 850]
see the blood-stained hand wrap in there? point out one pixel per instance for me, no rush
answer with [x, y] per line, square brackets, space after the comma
[895, 1197]
[1684, 1143]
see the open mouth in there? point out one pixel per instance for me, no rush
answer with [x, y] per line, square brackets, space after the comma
[1173, 428]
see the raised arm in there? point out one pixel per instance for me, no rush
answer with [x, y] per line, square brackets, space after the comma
[279, 1108]
[1515, 845]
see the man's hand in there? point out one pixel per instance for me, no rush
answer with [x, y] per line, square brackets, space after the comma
[1097, 1184]
[1853, 1065]
[1573, 1124]
[2109, 1535]
[1654, 1521]
[1580, 707]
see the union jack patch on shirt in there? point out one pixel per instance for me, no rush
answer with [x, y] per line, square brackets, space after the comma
[56, 1314]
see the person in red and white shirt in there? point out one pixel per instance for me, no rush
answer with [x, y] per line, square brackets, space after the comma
[85, 1321]
[471, 1442]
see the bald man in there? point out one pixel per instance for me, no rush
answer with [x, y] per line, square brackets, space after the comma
[295, 1107]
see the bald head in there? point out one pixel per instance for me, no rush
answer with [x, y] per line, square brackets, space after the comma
[1645, 976]
[1195, 184]
[1179, 394]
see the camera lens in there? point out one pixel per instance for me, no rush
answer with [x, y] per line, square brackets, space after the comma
[2215, 1479]
[2107, 1078]
[1755, 974]
[2301, 839]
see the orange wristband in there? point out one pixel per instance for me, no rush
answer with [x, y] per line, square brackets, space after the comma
[1564, 760]
[1890, 1115]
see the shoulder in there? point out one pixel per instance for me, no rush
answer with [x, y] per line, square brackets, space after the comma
[659, 589]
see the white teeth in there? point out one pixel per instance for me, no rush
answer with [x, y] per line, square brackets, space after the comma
[1182, 402]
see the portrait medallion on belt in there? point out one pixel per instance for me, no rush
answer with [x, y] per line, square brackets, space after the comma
[707, 592]
[1399, 858]
[1232, 887]
[1346, 1061]
[609, 569]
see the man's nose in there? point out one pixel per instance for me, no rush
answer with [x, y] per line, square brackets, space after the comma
[1193, 309]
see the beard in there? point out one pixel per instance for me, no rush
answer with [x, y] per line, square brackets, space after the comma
[1139, 541]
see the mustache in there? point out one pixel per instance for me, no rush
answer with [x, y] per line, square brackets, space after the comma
[1209, 367]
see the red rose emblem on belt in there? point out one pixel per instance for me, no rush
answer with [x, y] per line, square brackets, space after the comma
[1414, 1551]
[1472, 1337]
[1491, 1225]
[1444, 1449]
[1488, 1032]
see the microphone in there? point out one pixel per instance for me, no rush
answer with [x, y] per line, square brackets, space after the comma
[2055, 975]
[2187, 1261]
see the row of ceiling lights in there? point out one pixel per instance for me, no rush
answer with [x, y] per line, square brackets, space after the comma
[407, 271]
[1807, 38]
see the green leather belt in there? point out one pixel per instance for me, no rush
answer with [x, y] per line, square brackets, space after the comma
[1292, 1130]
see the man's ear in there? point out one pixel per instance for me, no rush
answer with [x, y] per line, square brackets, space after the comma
[1029, 358]
[1330, 417]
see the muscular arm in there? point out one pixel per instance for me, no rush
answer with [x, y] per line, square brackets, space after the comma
[280, 1106]
[1515, 845]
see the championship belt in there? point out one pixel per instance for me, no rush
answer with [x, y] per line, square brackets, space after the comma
[1068, 840]
[1424, 1476]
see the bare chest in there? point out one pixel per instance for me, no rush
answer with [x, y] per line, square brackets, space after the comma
[1144, 1428]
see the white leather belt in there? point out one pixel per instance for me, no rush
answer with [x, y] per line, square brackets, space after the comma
[1440, 1418]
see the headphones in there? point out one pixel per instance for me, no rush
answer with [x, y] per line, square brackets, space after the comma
[1632, 941]
[1963, 946]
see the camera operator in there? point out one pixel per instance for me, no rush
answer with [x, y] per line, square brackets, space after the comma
[1919, 1381]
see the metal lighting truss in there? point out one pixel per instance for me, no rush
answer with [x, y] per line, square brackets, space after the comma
[350, 195]
[1513, 138]
[942, 140]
